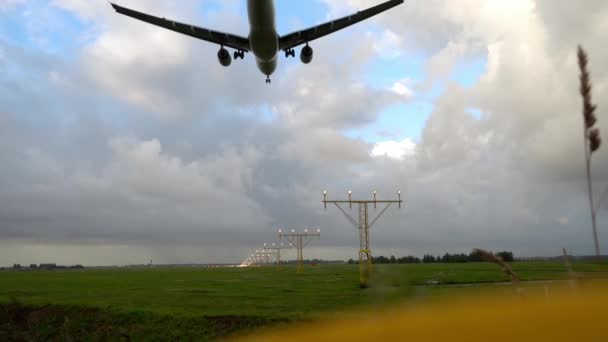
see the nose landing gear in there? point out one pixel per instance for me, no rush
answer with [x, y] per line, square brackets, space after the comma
[267, 79]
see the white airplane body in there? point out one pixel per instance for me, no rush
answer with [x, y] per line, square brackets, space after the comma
[263, 40]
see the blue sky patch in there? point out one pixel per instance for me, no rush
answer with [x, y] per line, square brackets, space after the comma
[396, 123]
[468, 73]
[475, 112]
[383, 73]
[39, 25]
[298, 15]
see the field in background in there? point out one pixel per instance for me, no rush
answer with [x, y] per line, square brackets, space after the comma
[210, 302]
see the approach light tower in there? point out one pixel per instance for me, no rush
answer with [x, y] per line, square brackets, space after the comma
[363, 224]
[277, 247]
[264, 255]
[251, 260]
[300, 240]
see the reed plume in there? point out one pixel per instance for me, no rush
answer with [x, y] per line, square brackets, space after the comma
[491, 257]
[592, 138]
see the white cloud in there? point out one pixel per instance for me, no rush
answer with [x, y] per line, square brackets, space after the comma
[402, 88]
[394, 149]
[387, 45]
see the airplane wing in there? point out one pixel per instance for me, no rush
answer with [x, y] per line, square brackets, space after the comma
[221, 38]
[300, 37]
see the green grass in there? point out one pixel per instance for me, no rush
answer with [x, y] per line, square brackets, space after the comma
[210, 302]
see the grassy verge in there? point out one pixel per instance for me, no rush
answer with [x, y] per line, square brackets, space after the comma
[75, 323]
[200, 303]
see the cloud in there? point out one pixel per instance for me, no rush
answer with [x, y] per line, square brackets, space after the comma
[394, 149]
[387, 45]
[141, 186]
[401, 88]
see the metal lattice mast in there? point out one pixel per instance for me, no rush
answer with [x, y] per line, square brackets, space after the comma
[277, 247]
[264, 256]
[300, 240]
[250, 261]
[363, 224]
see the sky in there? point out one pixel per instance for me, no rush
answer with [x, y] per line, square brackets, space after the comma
[122, 143]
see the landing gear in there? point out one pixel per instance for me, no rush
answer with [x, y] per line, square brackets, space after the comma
[267, 79]
[239, 54]
[290, 52]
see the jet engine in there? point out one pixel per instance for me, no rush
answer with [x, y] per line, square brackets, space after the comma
[224, 57]
[306, 54]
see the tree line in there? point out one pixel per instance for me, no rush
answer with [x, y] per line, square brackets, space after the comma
[430, 259]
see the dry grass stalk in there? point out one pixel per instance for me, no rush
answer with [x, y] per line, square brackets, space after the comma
[567, 263]
[491, 257]
[573, 276]
[591, 134]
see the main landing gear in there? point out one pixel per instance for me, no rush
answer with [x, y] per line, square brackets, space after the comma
[290, 52]
[239, 54]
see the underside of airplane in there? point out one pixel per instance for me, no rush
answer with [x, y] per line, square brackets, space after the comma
[263, 40]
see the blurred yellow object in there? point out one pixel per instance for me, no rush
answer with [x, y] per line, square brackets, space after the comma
[539, 313]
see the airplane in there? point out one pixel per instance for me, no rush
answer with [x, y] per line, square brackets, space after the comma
[263, 40]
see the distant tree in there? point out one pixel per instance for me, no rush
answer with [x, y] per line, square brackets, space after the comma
[351, 261]
[506, 256]
[445, 258]
[475, 256]
[408, 260]
[428, 259]
[380, 260]
[393, 260]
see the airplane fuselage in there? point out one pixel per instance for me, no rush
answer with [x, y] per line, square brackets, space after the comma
[263, 35]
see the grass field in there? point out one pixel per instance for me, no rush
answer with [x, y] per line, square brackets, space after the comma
[201, 303]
